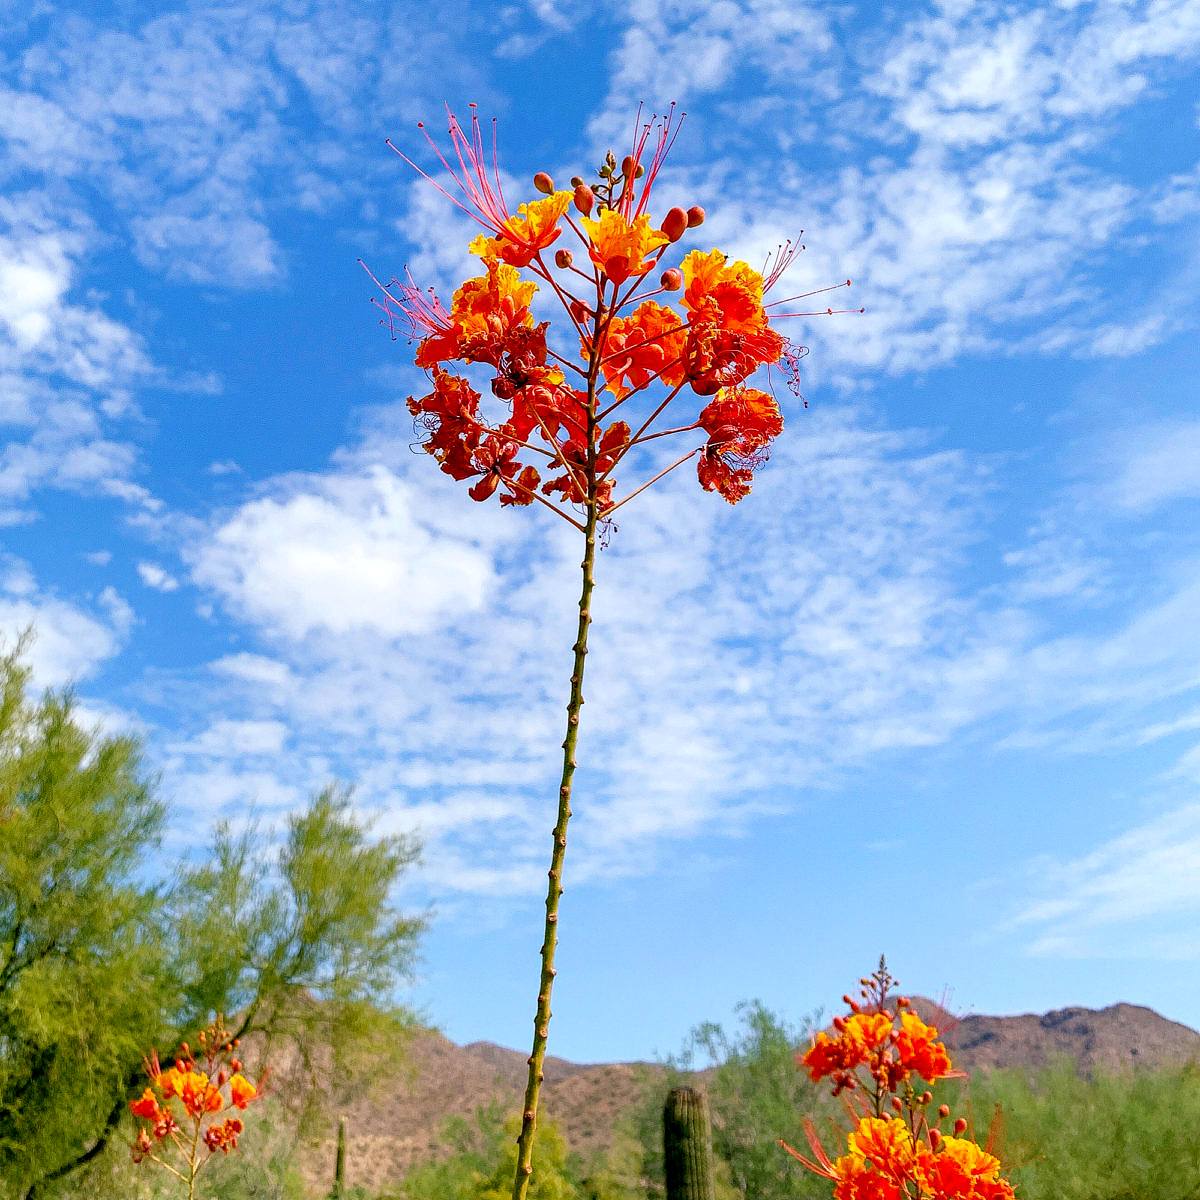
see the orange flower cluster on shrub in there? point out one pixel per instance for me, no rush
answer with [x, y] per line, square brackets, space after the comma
[895, 1150]
[182, 1105]
[551, 439]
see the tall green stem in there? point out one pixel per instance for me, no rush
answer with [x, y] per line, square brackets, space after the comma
[541, 1022]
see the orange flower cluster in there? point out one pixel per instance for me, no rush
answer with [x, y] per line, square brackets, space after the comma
[552, 442]
[874, 1054]
[884, 1161]
[872, 1040]
[202, 1086]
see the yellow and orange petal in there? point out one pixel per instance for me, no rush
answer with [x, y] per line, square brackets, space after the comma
[170, 1081]
[731, 290]
[146, 1106]
[646, 344]
[621, 248]
[198, 1095]
[869, 1030]
[887, 1144]
[241, 1091]
[824, 1056]
[858, 1180]
[525, 235]
[961, 1170]
[919, 1050]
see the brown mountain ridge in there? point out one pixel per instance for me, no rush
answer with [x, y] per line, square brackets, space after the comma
[400, 1126]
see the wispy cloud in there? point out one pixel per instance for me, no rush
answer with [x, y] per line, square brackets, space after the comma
[1136, 895]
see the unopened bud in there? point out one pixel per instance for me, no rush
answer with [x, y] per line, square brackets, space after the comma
[926, 1097]
[579, 311]
[839, 1023]
[960, 1126]
[846, 999]
[902, 1001]
[543, 183]
[943, 1111]
[935, 1138]
[695, 216]
[563, 258]
[675, 224]
[671, 280]
[584, 198]
[628, 165]
[576, 181]
[897, 1104]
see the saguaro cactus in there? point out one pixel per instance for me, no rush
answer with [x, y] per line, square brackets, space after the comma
[687, 1146]
[339, 1167]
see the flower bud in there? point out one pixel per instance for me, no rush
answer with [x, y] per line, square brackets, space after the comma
[584, 198]
[960, 1126]
[628, 165]
[943, 1111]
[671, 280]
[562, 258]
[543, 183]
[675, 224]
[902, 1002]
[695, 216]
[935, 1138]
[926, 1097]
[580, 311]
[897, 1104]
[576, 181]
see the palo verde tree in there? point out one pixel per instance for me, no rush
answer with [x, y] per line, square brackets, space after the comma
[84, 976]
[295, 940]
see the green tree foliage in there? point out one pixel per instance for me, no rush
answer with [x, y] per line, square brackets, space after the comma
[100, 960]
[1127, 1136]
[483, 1157]
[82, 974]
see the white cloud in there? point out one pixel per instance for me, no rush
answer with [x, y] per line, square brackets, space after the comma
[156, 577]
[234, 739]
[1155, 463]
[1137, 894]
[350, 554]
[442, 698]
[69, 643]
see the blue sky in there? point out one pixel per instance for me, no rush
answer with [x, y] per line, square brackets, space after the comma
[933, 689]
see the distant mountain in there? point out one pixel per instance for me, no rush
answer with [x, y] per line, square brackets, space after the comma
[393, 1130]
[1113, 1038]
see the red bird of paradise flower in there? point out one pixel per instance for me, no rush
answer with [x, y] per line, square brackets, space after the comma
[642, 338]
